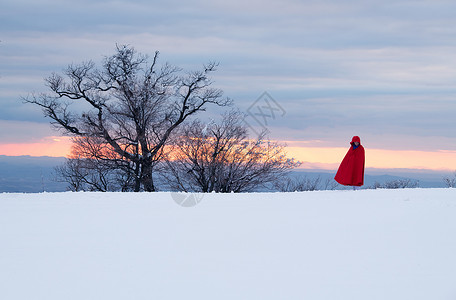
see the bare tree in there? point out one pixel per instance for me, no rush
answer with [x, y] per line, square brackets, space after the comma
[85, 175]
[129, 105]
[330, 184]
[450, 181]
[220, 158]
[376, 185]
[93, 166]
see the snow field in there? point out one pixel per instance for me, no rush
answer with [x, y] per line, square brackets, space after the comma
[366, 244]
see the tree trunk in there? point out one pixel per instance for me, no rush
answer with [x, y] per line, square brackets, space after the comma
[137, 176]
[147, 179]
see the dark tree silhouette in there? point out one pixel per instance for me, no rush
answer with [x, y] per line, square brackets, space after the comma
[450, 181]
[130, 107]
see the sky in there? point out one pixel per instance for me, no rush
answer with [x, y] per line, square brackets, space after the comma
[382, 70]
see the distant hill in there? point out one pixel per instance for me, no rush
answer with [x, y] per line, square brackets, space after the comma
[27, 174]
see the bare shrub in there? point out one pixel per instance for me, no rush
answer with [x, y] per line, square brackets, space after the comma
[396, 184]
[221, 158]
[450, 181]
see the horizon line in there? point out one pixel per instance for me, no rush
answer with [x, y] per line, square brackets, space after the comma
[310, 166]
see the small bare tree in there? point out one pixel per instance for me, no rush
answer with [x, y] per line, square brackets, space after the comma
[129, 106]
[220, 158]
[450, 181]
[330, 184]
[93, 166]
[298, 184]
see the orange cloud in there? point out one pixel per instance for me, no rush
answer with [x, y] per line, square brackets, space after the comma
[49, 146]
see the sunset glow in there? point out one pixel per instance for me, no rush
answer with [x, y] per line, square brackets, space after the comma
[49, 146]
[329, 158]
[311, 157]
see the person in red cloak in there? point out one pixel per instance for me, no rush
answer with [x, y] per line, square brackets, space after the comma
[351, 169]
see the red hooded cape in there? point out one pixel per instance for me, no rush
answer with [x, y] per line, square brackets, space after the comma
[351, 169]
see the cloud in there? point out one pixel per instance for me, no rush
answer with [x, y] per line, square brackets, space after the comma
[16, 132]
[382, 69]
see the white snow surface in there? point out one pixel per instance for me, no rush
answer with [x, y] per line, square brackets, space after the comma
[365, 244]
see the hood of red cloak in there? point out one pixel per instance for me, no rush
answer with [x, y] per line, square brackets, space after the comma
[355, 139]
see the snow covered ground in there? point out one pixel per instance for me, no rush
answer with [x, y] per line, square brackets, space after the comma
[366, 245]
